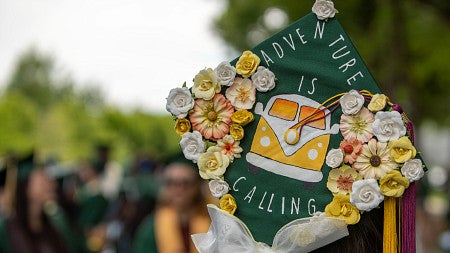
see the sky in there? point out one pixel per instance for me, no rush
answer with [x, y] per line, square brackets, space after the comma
[136, 51]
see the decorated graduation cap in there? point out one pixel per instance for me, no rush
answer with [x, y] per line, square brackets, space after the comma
[298, 141]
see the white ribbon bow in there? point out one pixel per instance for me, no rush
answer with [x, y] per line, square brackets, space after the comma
[228, 234]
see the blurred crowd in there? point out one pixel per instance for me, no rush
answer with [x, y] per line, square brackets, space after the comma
[100, 206]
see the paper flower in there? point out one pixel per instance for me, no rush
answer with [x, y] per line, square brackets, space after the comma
[237, 131]
[230, 147]
[340, 180]
[218, 187]
[225, 73]
[351, 102]
[179, 102]
[388, 126]
[357, 126]
[351, 148]
[247, 64]
[324, 9]
[413, 170]
[377, 103]
[206, 84]
[340, 207]
[402, 150]
[366, 194]
[192, 145]
[228, 204]
[263, 79]
[242, 93]
[212, 117]
[393, 184]
[374, 161]
[213, 163]
[182, 126]
[242, 117]
[334, 158]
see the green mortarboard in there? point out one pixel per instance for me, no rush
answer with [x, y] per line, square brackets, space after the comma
[314, 143]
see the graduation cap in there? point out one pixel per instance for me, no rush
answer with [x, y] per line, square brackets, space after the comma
[298, 141]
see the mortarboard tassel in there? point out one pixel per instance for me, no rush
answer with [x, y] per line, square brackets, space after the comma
[390, 240]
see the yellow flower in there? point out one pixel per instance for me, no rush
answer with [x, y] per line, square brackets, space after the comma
[242, 117]
[247, 64]
[377, 103]
[393, 184]
[402, 150]
[182, 126]
[213, 163]
[340, 180]
[228, 203]
[206, 84]
[340, 207]
[237, 132]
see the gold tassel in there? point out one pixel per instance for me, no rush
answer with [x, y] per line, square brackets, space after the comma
[390, 226]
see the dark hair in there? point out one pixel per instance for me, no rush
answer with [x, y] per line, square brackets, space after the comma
[20, 223]
[364, 237]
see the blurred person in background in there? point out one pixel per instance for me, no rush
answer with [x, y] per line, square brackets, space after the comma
[181, 212]
[34, 222]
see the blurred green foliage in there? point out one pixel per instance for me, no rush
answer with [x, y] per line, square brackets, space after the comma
[405, 43]
[41, 111]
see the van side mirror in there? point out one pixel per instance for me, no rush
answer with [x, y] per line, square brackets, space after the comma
[259, 108]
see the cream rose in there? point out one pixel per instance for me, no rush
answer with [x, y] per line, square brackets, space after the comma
[206, 84]
[334, 158]
[413, 170]
[218, 187]
[388, 126]
[263, 79]
[324, 9]
[225, 73]
[366, 194]
[213, 163]
[351, 102]
[179, 102]
[192, 145]
[377, 103]
[242, 93]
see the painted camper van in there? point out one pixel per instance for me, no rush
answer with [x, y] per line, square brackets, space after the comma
[281, 149]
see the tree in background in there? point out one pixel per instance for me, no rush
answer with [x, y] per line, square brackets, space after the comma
[404, 43]
[41, 110]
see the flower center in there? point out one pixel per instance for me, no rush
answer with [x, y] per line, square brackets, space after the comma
[359, 125]
[243, 94]
[212, 164]
[375, 161]
[348, 149]
[345, 182]
[212, 115]
[205, 85]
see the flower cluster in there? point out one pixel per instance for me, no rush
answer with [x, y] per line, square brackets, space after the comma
[210, 121]
[376, 158]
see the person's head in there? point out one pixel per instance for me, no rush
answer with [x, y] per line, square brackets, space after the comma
[182, 185]
[41, 188]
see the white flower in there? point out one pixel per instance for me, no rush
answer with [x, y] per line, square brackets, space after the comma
[413, 170]
[366, 194]
[225, 73]
[192, 145]
[324, 9]
[263, 79]
[334, 158]
[242, 93]
[351, 102]
[388, 126]
[179, 102]
[213, 163]
[218, 187]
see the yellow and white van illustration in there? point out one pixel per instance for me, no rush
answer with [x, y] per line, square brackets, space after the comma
[283, 148]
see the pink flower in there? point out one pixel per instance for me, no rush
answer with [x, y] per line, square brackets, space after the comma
[351, 148]
[242, 93]
[212, 118]
[357, 126]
